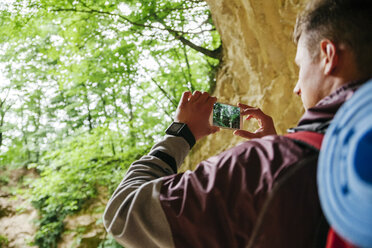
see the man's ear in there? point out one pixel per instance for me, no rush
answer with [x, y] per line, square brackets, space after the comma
[329, 56]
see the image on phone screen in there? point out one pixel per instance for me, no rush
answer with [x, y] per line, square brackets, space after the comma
[226, 116]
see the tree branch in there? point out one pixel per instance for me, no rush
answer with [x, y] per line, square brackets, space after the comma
[156, 102]
[217, 53]
[188, 68]
[189, 86]
[94, 11]
[165, 93]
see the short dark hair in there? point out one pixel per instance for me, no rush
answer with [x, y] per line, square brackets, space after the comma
[341, 21]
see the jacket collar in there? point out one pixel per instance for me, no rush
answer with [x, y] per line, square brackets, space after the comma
[319, 117]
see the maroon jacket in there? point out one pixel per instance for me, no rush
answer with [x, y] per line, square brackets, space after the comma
[261, 193]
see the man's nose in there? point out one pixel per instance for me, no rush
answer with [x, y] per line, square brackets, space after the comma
[297, 89]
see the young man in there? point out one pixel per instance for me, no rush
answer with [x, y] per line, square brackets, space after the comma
[261, 193]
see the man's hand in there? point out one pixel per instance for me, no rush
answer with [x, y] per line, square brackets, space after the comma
[194, 110]
[265, 122]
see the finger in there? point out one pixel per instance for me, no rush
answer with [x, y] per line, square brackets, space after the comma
[241, 105]
[195, 96]
[214, 129]
[250, 110]
[255, 112]
[211, 100]
[246, 134]
[263, 119]
[204, 97]
[185, 97]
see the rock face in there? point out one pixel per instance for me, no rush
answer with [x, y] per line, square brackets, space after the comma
[17, 216]
[258, 65]
[16, 223]
[85, 228]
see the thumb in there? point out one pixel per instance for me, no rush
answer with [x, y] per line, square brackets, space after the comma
[214, 129]
[245, 134]
[185, 97]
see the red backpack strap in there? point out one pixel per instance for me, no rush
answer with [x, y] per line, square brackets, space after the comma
[311, 138]
[335, 241]
[315, 140]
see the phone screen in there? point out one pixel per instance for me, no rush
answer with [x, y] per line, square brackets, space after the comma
[226, 116]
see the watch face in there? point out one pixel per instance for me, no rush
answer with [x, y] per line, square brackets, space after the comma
[175, 127]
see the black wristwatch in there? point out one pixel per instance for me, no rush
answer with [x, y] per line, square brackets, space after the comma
[181, 130]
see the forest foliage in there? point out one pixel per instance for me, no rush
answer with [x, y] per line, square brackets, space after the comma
[89, 86]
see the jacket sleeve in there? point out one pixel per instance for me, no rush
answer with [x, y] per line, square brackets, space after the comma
[216, 205]
[134, 215]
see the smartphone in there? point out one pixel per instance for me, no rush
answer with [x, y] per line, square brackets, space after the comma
[226, 116]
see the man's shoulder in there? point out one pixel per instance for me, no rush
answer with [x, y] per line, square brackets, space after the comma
[272, 149]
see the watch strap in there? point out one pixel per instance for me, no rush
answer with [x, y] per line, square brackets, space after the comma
[183, 131]
[188, 136]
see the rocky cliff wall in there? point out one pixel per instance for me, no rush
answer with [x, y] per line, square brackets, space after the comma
[257, 67]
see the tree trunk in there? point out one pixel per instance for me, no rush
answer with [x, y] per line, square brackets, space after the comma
[1, 126]
[87, 102]
[131, 116]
